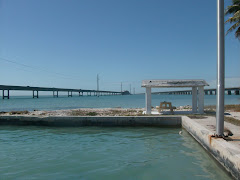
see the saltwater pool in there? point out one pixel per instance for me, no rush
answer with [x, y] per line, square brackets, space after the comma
[103, 153]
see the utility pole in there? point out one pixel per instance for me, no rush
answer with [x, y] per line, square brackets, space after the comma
[220, 68]
[97, 85]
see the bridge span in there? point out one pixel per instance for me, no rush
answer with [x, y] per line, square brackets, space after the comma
[35, 90]
[228, 91]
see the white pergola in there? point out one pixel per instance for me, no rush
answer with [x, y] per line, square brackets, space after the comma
[197, 91]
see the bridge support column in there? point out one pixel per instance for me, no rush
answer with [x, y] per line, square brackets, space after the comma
[206, 92]
[54, 94]
[194, 99]
[70, 94]
[230, 92]
[3, 95]
[148, 100]
[201, 100]
[237, 92]
[35, 95]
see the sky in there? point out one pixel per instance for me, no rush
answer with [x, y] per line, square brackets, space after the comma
[66, 43]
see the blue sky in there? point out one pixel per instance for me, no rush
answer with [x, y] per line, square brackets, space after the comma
[66, 43]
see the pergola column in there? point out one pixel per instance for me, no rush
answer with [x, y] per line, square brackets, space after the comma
[201, 100]
[194, 99]
[148, 100]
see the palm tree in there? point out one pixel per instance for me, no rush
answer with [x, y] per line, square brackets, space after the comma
[234, 9]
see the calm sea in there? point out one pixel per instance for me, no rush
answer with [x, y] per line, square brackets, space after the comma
[129, 101]
[103, 153]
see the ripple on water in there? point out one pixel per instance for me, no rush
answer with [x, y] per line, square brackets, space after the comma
[103, 153]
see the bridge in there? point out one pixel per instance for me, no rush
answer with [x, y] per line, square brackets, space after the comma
[35, 90]
[228, 91]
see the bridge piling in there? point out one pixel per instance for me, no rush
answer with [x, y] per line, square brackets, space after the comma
[70, 94]
[54, 94]
[35, 96]
[237, 92]
[3, 95]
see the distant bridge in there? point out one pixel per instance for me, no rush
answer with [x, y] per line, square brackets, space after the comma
[229, 91]
[35, 90]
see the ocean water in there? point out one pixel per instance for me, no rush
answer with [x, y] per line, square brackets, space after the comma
[129, 101]
[103, 153]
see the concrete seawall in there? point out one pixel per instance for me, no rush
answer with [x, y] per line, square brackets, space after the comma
[225, 153]
[73, 121]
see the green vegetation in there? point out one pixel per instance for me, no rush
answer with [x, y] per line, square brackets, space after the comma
[212, 108]
[92, 114]
[77, 113]
[18, 112]
[234, 9]
[196, 116]
[234, 108]
[232, 120]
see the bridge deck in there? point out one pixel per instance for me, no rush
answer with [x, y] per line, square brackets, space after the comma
[237, 89]
[53, 89]
[31, 88]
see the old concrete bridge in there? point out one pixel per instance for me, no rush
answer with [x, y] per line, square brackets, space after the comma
[35, 90]
[228, 91]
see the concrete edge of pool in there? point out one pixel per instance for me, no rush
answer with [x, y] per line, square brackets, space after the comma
[111, 121]
[225, 153]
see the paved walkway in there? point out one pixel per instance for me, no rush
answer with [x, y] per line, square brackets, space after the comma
[210, 124]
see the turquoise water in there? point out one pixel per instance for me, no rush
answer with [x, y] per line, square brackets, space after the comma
[103, 153]
[132, 101]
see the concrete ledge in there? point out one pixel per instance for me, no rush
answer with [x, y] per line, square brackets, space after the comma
[74, 121]
[225, 153]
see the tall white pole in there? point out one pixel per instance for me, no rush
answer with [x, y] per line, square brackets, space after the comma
[220, 68]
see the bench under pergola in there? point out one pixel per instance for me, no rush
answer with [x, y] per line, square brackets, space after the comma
[197, 91]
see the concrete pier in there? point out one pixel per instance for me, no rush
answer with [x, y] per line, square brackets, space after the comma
[227, 153]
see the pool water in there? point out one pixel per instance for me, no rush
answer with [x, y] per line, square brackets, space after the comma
[103, 153]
